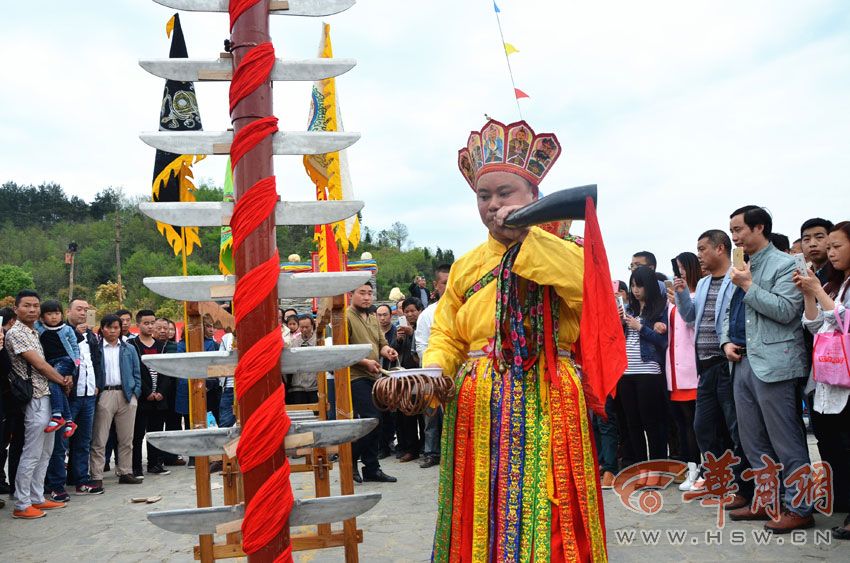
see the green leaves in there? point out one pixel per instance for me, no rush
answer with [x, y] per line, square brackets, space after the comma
[13, 279]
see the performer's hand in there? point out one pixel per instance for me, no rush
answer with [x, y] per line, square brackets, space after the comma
[508, 233]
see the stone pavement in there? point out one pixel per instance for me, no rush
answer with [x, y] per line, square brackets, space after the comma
[398, 529]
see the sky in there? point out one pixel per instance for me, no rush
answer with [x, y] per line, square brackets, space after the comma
[679, 111]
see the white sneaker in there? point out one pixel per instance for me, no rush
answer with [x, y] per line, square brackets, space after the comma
[698, 485]
[693, 475]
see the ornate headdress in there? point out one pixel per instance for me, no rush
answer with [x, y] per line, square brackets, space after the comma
[508, 148]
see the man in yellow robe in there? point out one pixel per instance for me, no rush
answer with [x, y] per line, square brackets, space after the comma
[518, 478]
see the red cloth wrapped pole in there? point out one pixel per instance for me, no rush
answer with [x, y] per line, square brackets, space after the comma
[261, 453]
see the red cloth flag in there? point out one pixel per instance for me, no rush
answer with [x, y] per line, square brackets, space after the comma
[520, 94]
[602, 344]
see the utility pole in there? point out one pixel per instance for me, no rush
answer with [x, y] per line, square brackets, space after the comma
[118, 258]
[69, 259]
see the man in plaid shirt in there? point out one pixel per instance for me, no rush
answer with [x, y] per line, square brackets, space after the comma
[27, 359]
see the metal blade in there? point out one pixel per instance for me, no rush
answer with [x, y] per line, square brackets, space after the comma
[200, 70]
[218, 142]
[211, 441]
[305, 512]
[195, 365]
[313, 8]
[216, 214]
[557, 206]
[289, 286]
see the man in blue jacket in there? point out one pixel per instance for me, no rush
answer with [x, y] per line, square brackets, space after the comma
[715, 406]
[117, 402]
[763, 338]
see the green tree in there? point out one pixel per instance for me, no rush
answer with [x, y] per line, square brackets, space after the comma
[106, 298]
[13, 279]
[105, 203]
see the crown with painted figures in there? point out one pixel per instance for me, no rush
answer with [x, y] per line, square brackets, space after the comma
[514, 148]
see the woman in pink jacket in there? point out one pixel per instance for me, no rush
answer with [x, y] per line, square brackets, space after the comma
[682, 373]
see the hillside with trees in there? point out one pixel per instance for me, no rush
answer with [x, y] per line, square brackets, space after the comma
[38, 223]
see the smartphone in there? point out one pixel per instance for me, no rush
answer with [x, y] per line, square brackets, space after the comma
[800, 265]
[402, 320]
[621, 307]
[676, 272]
[668, 284]
[738, 258]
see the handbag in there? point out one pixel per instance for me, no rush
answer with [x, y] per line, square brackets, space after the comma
[829, 357]
[20, 388]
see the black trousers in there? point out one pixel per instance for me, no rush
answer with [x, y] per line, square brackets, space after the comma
[716, 420]
[644, 401]
[388, 430]
[15, 430]
[173, 421]
[213, 398]
[410, 439]
[302, 397]
[4, 440]
[683, 415]
[366, 448]
[147, 420]
[833, 434]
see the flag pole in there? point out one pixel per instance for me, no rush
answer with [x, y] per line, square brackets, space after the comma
[507, 59]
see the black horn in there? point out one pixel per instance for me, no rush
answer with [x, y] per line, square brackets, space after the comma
[557, 206]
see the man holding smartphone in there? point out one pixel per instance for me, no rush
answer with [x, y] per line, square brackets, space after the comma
[763, 338]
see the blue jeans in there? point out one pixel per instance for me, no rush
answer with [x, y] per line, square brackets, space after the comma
[226, 418]
[607, 437]
[58, 399]
[331, 399]
[433, 432]
[82, 411]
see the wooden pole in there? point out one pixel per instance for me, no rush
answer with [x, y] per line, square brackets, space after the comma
[198, 416]
[71, 279]
[118, 259]
[249, 30]
[344, 409]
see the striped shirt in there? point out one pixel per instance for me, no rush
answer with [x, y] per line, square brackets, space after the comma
[708, 341]
[636, 364]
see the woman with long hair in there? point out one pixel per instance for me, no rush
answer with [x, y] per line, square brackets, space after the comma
[682, 371]
[642, 389]
[825, 311]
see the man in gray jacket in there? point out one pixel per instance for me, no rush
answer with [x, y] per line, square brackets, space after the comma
[763, 338]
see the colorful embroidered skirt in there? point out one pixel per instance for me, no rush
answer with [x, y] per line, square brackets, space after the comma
[518, 478]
